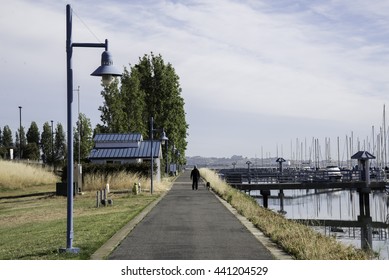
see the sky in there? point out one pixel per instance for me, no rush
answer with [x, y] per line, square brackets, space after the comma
[258, 77]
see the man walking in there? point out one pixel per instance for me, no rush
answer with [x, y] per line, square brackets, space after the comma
[195, 176]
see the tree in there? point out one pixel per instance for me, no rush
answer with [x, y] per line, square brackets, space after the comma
[7, 141]
[151, 88]
[31, 150]
[59, 145]
[82, 131]
[134, 101]
[33, 134]
[163, 96]
[21, 142]
[112, 112]
[47, 144]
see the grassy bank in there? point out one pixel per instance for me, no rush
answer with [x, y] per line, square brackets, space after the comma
[34, 227]
[298, 240]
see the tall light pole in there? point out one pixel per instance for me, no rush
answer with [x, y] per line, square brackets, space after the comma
[107, 72]
[52, 142]
[20, 132]
[163, 139]
[79, 126]
[167, 154]
[248, 170]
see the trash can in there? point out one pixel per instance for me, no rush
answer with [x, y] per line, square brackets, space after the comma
[62, 189]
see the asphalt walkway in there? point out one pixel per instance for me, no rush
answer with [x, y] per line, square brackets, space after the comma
[191, 224]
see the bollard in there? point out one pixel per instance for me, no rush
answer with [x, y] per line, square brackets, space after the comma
[104, 198]
[281, 196]
[97, 199]
[265, 194]
[135, 189]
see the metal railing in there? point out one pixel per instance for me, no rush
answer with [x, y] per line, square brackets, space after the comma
[269, 176]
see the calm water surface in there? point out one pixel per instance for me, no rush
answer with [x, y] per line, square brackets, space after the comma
[336, 205]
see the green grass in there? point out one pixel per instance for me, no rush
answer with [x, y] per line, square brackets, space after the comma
[35, 227]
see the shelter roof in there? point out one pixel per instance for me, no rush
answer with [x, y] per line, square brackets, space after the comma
[143, 151]
[118, 137]
[363, 155]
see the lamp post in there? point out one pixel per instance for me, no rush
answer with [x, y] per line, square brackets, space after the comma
[52, 142]
[178, 160]
[163, 139]
[106, 71]
[20, 132]
[167, 156]
[79, 126]
[248, 170]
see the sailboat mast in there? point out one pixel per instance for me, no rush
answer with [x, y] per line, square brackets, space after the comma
[384, 124]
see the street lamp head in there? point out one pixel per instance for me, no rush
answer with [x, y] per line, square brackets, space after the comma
[164, 138]
[107, 71]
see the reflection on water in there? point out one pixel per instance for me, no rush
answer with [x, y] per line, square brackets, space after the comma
[336, 205]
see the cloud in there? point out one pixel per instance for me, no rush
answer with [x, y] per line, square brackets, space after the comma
[306, 62]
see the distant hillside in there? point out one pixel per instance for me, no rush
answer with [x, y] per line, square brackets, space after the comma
[239, 161]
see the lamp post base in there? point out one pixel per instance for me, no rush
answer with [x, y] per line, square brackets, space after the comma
[72, 250]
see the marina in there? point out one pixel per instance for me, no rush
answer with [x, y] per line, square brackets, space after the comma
[350, 204]
[335, 213]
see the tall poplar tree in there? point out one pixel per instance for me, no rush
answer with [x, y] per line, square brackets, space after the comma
[7, 140]
[59, 145]
[134, 101]
[32, 149]
[47, 144]
[113, 115]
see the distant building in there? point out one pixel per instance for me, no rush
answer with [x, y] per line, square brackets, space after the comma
[125, 148]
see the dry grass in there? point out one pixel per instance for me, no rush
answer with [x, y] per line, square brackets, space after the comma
[123, 181]
[14, 175]
[299, 240]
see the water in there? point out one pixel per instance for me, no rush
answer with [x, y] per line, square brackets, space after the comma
[336, 205]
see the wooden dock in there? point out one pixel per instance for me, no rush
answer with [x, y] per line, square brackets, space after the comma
[338, 223]
[357, 185]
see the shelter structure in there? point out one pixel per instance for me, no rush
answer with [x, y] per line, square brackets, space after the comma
[122, 148]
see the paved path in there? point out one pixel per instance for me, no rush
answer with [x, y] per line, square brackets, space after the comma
[190, 225]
